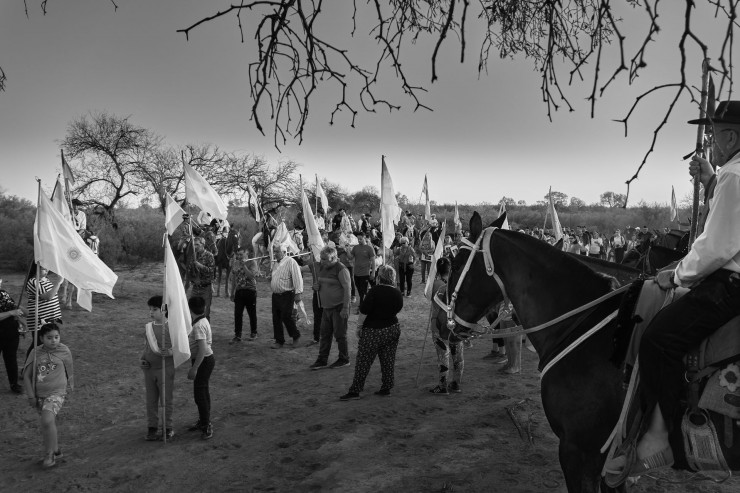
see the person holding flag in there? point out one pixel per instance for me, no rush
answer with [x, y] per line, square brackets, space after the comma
[79, 218]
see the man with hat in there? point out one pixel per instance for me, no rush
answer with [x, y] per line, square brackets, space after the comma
[711, 270]
[79, 216]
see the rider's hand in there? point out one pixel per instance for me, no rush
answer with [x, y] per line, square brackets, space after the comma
[699, 164]
[665, 279]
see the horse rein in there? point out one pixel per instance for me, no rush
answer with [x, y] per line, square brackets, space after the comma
[481, 245]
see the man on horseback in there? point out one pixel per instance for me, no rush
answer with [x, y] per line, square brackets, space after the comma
[712, 270]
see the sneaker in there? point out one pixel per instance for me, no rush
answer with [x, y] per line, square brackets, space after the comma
[49, 461]
[318, 365]
[236, 340]
[253, 336]
[339, 364]
[17, 389]
[455, 387]
[312, 342]
[152, 435]
[58, 454]
[353, 300]
[277, 345]
[207, 432]
[196, 427]
[383, 392]
[350, 396]
[439, 390]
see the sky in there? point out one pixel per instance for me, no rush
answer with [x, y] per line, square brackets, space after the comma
[487, 137]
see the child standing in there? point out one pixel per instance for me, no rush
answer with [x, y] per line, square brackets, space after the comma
[151, 363]
[46, 385]
[203, 361]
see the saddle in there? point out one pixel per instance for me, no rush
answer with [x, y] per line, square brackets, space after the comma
[712, 371]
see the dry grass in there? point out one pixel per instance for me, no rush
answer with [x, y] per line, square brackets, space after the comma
[278, 426]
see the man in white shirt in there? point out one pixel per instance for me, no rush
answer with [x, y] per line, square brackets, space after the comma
[287, 287]
[712, 270]
[80, 218]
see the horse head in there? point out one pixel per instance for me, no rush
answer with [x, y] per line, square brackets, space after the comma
[469, 274]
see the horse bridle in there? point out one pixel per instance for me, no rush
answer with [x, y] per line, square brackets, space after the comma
[482, 245]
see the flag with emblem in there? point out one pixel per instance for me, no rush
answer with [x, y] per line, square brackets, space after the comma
[178, 313]
[59, 248]
[438, 251]
[172, 215]
[200, 193]
[390, 213]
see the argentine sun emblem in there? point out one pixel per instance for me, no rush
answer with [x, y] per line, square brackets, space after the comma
[74, 254]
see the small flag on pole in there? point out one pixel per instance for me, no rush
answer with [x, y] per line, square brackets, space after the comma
[255, 203]
[322, 196]
[315, 242]
[501, 211]
[390, 213]
[69, 177]
[178, 313]
[438, 251]
[456, 220]
[200, 193]
[172, 215]
[59, 201]
[674, 206]
[427, 206]
[556, 228]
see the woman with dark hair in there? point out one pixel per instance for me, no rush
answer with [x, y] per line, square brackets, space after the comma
[9, 338]
[48, 302]
[378, 332]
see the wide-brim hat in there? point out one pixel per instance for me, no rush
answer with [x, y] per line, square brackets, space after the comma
[726, 112]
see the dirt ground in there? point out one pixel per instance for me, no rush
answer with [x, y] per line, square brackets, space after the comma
[279, 426]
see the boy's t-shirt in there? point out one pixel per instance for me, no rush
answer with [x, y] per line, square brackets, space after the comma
[201, 330]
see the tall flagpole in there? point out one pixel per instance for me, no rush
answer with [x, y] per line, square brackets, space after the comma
[699, 150]
[163, 400]
[316, 206]
[382, 201]
[38, 289]
[68, 194]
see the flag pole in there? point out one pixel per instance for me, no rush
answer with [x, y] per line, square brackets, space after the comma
[68, 193]
[36, 301]
[699, 149]
[316, 206]
[163, 400]
[382, 233]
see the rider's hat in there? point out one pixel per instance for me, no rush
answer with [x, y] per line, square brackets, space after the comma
[727, 112]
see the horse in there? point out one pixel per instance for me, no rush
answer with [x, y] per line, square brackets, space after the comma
[649, 257]
[227, 247]
[582, 393]
[675, 239]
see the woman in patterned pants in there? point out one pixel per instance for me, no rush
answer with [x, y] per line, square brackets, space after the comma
[378, 331]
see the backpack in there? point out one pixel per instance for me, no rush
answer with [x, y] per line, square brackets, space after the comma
[427, 244]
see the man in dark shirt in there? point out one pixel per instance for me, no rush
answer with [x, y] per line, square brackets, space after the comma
[244, 295]
[202, 269]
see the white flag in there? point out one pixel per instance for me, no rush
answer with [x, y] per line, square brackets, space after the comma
[438, 251]
[557, 230]
[674, 206]
[282, 237]
[315, 242]
[255, 202]
[502, 210]
[59, 201]
[59, 248]
[200, 193]
[178, 313]
[389, 210]
[84, 299]
[172, 214]
[322, 196]
[67, 171]
[427, 206]
[456, 220]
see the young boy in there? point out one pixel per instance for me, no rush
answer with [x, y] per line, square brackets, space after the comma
[203, 361]
[46, 385]
[152, 359]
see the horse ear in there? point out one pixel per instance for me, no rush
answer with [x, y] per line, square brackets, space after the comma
[499, 221]
[476, 226]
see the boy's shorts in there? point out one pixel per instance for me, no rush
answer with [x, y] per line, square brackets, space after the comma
[53, 403]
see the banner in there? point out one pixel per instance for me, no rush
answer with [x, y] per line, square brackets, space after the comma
[172, 215]
[178, 312]
[315, 242]
[59, 248]
[557, 230]
[322, 197]
[427, 207]
[389, 210]
[438, 250]
[200, 193]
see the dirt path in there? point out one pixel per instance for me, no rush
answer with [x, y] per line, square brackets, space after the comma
[279, 426]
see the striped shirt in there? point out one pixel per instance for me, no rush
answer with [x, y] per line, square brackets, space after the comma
[286, 276]
[48, 309]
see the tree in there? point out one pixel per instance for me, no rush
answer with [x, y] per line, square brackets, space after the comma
[611, 199]
[565, 41]
[366, 200]
[507, 201]
[558, 198]
[521, 202]
[577, 203]
[109, 152]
